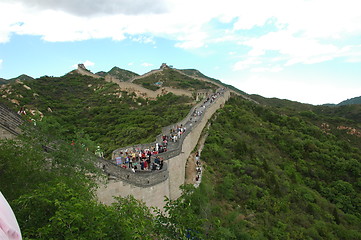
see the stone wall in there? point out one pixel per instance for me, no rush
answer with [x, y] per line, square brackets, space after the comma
[176, 165]
[140, 178]
[152, 195]
[152, 187]
[144, 92]
[9, 123]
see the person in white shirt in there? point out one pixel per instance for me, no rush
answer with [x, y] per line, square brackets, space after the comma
[9, 227]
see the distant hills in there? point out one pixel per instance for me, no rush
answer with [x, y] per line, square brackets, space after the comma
[121, 74]
[196, 73]
[22, 77]
[150, 81]
[169, 77]
[355, 100]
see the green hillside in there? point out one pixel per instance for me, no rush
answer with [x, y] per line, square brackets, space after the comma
[334, 116]
[355, 100]
[171, 78]
[22, 77]
[272, 176]
[282, 103]
[80, 104]
[196, 73]
[121, 74]
[3, 81]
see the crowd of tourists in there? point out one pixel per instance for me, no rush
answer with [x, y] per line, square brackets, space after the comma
[175, 133]
[140, 159]
[137, 159]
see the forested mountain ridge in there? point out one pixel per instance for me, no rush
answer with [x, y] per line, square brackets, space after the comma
[80, 104]
[355, 100]
[22, 77]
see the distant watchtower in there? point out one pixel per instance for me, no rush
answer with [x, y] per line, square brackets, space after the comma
[163, 66]
[81, 66]
[203, 94]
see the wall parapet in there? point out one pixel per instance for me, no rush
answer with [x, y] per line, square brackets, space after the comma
[140, 178]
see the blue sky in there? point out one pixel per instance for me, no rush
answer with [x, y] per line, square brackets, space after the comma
[303, 50]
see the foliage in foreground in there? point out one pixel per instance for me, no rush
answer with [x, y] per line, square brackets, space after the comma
[50, 185]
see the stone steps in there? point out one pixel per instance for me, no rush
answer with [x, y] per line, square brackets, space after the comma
[9, 121]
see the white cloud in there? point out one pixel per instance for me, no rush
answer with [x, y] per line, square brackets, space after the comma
[266, 69]
[143, 39]
[1, 62]
[299, 31]
[88, 63]
[145, 64]
[295, 88]
[98, 7]
[246, 64]
[297, 49]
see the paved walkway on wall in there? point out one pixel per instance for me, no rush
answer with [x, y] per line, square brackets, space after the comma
[195, 116]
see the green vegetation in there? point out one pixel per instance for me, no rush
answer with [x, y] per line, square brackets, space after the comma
[50, 185]
[22, 77]
[121, 74]
[196, 73]
[82, 105]
[281, 171]
[172, 78]
[272, 176]
[355, 100]
[328, 113]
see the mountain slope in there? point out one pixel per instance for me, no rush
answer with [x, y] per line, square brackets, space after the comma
[172, 78]
[3, 81]
[197, 74]
[82, 104]
[121, 74]
[22, 77]
[355, 100]
[271, 176]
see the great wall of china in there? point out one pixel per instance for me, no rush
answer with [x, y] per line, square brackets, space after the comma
[153, 187]
[149, 186]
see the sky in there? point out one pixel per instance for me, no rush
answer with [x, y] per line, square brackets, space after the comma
[302, 50]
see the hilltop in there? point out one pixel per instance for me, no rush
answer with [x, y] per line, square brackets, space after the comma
[122, 74]
[22, 77]
[169, 77]
[355, 100]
